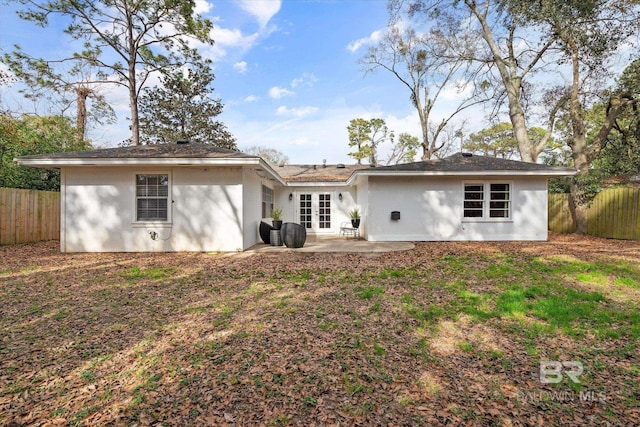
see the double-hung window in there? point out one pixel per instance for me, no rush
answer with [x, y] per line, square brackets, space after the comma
[152, 197]
[487, 201]
[499, 200]
[267, 201]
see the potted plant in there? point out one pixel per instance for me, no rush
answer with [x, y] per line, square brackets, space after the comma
[276, 214]
[355, 218]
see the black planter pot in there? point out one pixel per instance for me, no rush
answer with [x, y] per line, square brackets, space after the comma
[293, 235]
[265, 229]
[276, 224]
[355, 223]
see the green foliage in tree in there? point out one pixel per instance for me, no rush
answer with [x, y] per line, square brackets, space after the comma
[404, 150]
[127, 40]
[184, 108]
[366, 136]
[5, 78]
[270, 155]
[33, 135]
[588, 35]
[379, 134]
[495, 141]
[360, 139]
[499, 141]
[621, 152]
[621, 155]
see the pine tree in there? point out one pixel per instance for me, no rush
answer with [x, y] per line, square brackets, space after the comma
[184, 108]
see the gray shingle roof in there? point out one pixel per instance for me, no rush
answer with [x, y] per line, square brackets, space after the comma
[457, 163]
[472, 163]
[191, 150]
[317, 173]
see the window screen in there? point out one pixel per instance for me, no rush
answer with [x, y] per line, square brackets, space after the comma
[152, 197]
[499, 201]
[267, 201]
[473, 200]
[487, 200]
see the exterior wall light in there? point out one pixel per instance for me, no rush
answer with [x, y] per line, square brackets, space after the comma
[290, 196]
[340, 196]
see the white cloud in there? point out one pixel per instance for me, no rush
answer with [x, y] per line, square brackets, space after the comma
[235, 39]
[251, 98]
[304, 141]
[262, 10]
[374, 37]
[202, 6]
[279, 92]
[296, 112]
[226, 38]
[307, 79]
[409, 123]
[459, 90]
[232, 37]
[240, 67]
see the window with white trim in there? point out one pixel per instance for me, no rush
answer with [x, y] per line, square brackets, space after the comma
[473, 200]
[490, 201]
[499, 200]
[267, 201]
[152, 197]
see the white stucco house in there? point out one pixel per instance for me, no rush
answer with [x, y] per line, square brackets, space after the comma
[194, 197]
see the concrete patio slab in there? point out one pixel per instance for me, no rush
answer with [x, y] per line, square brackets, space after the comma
[335, 244]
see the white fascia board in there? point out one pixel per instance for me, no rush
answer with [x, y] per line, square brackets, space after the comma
[135, 162]
[169, 161]
[546, 173]
[317, 184]
[267, 167]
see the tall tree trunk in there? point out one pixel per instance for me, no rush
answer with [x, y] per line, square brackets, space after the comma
[133, 102]
[423, 114]
[508, 69]
[578, 141]
[132, 83]
[583, 155]
[518, 121]
[82, 94]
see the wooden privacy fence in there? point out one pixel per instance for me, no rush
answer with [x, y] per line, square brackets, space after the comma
[614, 213]
[28, 216]
[560, 219]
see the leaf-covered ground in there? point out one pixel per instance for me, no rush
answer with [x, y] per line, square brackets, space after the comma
[445, 334]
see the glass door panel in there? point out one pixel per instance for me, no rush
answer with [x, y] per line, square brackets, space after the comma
[315, 212]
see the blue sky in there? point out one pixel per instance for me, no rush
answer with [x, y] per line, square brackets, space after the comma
[287, 73]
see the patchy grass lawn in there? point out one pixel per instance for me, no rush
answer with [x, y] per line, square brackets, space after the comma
[447, 333]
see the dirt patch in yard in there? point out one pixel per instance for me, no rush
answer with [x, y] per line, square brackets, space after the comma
[446, 333]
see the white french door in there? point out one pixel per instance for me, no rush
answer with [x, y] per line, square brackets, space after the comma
[315, 212]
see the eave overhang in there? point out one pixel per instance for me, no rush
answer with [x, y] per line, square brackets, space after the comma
[170, 161]
[549, 173]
